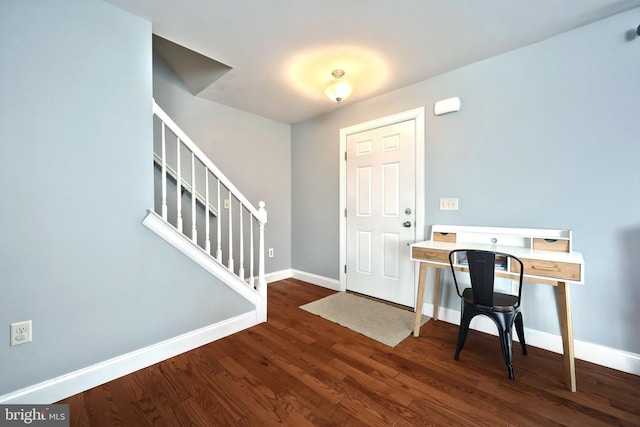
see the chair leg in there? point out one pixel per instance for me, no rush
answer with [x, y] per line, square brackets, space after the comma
[507, 351]
[520, 332]
[506, 343]
[465, 320]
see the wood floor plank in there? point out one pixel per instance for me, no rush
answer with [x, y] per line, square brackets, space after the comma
[391, 390]
[357, 355]
[312, 360]
[113, 404]
[301, 370]
[155, 395]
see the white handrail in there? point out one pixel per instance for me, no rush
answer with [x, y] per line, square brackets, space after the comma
[257, 216]
[203, 158]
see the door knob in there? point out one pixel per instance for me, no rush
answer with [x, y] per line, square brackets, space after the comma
[407, 224]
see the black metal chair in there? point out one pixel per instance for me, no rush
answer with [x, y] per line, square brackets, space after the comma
[480, 298]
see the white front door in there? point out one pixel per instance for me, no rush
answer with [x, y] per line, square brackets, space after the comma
[381, 212]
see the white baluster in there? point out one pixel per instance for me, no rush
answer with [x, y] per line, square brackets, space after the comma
[251, 279]
[207, 231]
[230, 263]
[258, 216]
[194, 232]
[262, 282]
[241, 268]
[164, 175]
[178, 187]
[219, 226]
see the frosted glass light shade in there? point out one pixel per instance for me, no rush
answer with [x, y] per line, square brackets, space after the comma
[339, 88]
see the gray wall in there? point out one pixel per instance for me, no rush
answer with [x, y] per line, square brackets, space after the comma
[547, 137]
[252, 151]
[77, 178]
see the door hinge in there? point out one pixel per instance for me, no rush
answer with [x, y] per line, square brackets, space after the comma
[345, 156]
[345, 213]
[345, 269]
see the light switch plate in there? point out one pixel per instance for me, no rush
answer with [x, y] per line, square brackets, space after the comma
[449, 204]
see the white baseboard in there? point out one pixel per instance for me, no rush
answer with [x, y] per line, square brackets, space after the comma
[78, 381]
[314, 279]
[593, 353]
[278, 275]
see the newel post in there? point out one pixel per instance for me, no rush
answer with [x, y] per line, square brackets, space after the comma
[262, 220]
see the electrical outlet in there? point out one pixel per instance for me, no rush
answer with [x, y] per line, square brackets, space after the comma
[226, 203]
[21, 333]
[270, 252]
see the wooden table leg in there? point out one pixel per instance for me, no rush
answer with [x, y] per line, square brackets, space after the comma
[422, 278]
[566, 329]
[436, 294]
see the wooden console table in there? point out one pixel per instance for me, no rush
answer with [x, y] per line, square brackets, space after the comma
[547, 255]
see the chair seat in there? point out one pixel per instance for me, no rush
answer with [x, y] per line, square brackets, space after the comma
[501, 302]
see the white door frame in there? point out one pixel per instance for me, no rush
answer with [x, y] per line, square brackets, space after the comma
[419, 115]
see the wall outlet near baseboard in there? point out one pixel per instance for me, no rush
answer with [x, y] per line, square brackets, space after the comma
[270, 252]
[21, 332]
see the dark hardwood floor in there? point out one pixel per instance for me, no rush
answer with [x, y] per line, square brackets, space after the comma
[299, 369]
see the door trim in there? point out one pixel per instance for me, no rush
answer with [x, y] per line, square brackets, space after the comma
[418, 115]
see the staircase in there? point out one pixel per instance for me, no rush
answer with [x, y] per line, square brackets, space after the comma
[203, 215]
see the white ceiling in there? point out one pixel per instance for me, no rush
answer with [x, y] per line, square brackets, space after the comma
[282, 52]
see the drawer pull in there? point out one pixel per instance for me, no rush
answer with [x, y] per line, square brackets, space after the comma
[537, 267]
[550, 240]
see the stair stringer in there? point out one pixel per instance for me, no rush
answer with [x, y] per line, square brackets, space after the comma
[171, 235]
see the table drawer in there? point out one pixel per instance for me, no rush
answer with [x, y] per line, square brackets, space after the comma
[557, 270]
[427, 254]
[444, 237]
[551, 245]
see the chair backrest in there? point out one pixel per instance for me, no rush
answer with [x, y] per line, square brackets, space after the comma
[482, 266]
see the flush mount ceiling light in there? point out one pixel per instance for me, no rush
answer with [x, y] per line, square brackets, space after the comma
[339, 88]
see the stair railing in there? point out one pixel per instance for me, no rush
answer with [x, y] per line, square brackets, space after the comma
[209, 194]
